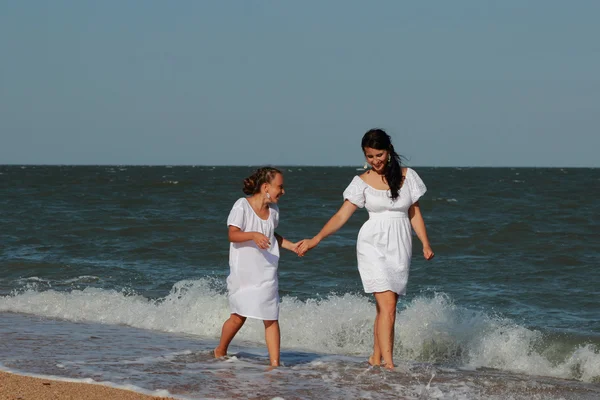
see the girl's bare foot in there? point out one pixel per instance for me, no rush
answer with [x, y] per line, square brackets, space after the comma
[373, 362]
[218, 353]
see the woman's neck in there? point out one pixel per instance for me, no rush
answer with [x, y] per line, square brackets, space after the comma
[382, 173]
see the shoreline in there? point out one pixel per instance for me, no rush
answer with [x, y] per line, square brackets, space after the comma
[23, 387]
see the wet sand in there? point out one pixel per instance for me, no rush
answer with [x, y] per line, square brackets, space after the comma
[18, 387]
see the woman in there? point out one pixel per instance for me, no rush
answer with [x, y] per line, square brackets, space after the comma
[384, 245]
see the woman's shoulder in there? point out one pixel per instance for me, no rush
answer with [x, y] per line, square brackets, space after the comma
[409, 172]
[361, 179]
[414, 179]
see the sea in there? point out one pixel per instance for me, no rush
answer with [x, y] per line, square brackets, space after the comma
[116, 275]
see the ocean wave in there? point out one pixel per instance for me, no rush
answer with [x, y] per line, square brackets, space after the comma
[431, 328]
[448, 200]
[35, 282]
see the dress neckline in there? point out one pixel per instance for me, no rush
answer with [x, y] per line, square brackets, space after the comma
[383, 190]
[258, 216]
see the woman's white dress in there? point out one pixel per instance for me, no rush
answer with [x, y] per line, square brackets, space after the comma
[252, 282]
[384, 244]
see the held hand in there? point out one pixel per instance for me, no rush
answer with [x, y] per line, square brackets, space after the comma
[261, 240]
[300, 248]
[428, 253]
[294, 247]
[305, 245]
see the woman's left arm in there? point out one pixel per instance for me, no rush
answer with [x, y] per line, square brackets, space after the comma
[418, 224]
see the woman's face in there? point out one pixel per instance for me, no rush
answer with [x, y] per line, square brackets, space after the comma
[376, 158]
[275, 188]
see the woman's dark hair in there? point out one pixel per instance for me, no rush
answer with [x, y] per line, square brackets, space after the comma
[262, 175]
[380, 140]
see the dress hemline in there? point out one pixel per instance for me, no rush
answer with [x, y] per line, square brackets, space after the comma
[253, 317]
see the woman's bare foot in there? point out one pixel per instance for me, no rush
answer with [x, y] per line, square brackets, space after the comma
[218, 353]
[373, 362]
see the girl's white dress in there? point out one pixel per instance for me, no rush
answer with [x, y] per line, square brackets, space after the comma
[252, 282]
[384, 244]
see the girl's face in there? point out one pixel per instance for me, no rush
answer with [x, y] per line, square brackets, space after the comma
[376, 158]
[275, 189]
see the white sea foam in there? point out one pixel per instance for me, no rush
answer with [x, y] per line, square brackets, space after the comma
[31, 281]
[82, 279]
[431, 328]
[448, 200]
[152, 360]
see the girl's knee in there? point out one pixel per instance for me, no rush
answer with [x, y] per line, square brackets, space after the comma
[237, 319]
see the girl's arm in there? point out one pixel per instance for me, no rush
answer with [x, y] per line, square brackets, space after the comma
[284, 243]
[418, 224]
[236, 235]
[336, 222]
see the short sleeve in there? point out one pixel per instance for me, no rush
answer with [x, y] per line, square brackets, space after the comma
[237, 215]
[416, 186]
[275, 213]
[355, 192]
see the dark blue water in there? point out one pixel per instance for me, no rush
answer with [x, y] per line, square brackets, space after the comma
[514, 286]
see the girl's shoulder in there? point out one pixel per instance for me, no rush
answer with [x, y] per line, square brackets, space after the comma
[242, 202]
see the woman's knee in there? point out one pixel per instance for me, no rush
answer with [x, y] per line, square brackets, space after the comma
[386, 303]
[269, 323]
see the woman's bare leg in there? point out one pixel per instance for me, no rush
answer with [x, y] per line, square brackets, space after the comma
[385, 325]
[273, 339]
[230, 328]
[375, 358]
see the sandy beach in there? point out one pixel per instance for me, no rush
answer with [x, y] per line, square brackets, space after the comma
[18, 387]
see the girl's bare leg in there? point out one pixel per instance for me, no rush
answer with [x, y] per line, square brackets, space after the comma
[273, 339]
[230, 328]
[375, 358]
[385, 325]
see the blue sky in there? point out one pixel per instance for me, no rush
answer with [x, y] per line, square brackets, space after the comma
[461, 83]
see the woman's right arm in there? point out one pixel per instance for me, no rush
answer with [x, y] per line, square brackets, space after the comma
[333, 225]
[236, 235]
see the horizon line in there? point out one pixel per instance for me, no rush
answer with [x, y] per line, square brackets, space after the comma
[286, 166]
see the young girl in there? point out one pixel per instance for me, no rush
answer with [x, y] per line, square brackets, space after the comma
[253, 260]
